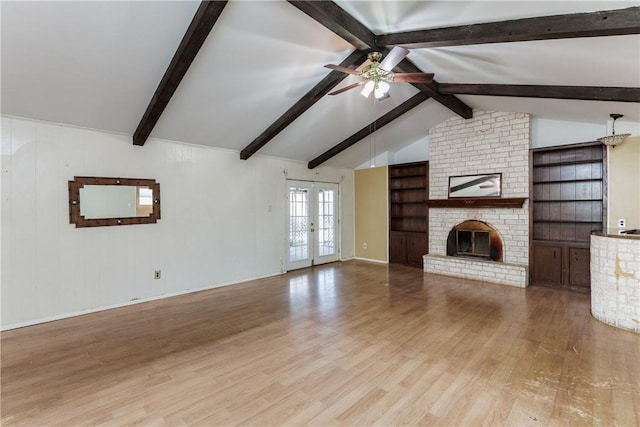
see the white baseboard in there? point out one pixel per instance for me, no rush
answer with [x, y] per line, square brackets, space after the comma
[375, 261]
[123, 304]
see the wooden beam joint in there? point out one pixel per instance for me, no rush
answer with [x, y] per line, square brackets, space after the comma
[318, 91]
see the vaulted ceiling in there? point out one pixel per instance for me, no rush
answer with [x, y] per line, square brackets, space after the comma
[257, 85]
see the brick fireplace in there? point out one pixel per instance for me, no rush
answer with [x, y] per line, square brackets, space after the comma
[490, 142]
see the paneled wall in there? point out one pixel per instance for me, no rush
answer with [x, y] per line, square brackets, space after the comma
[223, 220]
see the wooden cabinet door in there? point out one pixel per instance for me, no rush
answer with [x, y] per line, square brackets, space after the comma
[547, 264]
[416, 249]
[579, 261]
[397, 248]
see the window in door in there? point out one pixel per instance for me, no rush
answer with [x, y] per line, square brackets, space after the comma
[313, 223]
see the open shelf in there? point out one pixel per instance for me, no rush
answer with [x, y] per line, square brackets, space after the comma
[567, 204]
[408, 213]
[567, 188]
[560, 163]
[560, 181]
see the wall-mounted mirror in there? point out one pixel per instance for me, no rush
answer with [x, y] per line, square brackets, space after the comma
[98, 201]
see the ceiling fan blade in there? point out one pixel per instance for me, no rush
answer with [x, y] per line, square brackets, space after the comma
[412, 77]
[346, 88]
[343, 69]
[397, 54]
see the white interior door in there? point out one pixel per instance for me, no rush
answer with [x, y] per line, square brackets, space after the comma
[313, 223]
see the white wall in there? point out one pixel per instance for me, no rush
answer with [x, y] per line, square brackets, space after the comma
[382, 159]
[415, 152]
[544, 133]
[548, 133]
[223, 220]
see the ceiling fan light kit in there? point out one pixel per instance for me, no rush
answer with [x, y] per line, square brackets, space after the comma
[368, 88]
[376, 75]
[380, 90]
[613, 139]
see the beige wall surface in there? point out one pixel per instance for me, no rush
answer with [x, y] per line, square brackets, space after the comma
[624, 183]
[371, 208]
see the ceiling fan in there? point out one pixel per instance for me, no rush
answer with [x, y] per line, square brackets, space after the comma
[376, 74]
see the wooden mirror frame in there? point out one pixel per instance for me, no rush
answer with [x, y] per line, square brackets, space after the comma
[74, 201]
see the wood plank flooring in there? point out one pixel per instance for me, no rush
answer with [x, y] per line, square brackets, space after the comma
[348, 343]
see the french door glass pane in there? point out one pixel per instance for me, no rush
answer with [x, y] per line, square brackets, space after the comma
[326, 218]
[298, 226]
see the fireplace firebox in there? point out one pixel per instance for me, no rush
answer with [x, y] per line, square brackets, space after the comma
[475, 238]
[473, 243]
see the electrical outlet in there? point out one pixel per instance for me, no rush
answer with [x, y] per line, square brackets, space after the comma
[622, 222]
[157, 275]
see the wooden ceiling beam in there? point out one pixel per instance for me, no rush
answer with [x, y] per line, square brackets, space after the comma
[318, 91]
[589, 93]
[344, 25]
[593, 24]
[449, 101]
[406, 106]
[333, 17]
[203, 21]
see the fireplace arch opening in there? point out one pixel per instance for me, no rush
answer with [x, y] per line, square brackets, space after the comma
[474, 238]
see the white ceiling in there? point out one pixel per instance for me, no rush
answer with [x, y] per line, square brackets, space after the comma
[97, 64]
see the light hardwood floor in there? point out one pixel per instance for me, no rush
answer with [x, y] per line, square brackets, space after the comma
[348, 343]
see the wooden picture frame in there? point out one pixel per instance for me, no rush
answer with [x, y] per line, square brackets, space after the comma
[488, 185]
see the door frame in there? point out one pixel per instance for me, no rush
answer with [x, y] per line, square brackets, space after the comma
[314, 259]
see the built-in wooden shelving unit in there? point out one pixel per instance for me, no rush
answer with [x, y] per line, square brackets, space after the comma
[408, 220]
[567, 204]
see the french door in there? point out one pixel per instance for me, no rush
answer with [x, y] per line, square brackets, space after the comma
[313, 223]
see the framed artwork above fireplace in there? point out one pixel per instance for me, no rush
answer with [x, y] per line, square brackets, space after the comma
[475, 186]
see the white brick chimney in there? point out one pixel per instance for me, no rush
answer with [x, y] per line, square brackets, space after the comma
[490, 142]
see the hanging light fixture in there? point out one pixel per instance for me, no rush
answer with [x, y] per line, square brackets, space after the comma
[375, 76]
[613, 139]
